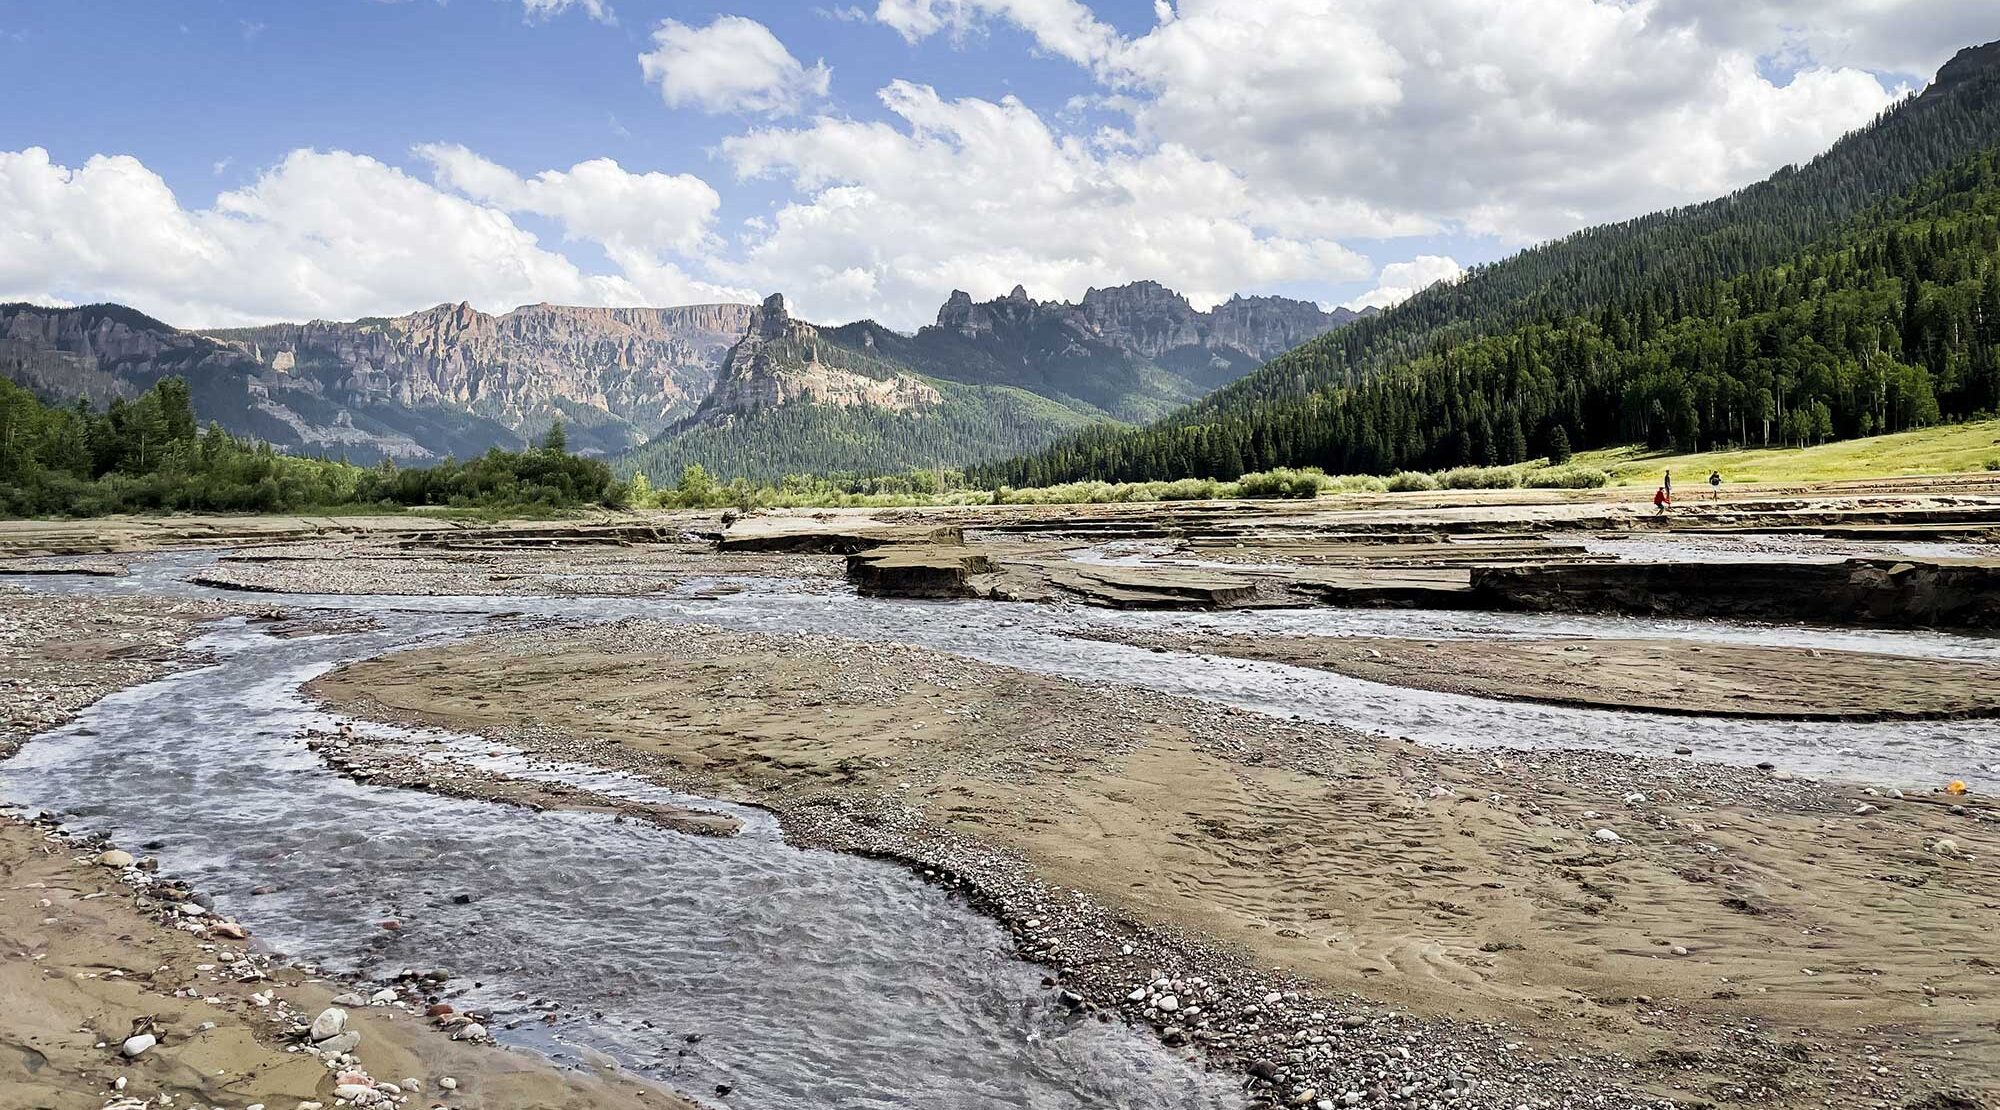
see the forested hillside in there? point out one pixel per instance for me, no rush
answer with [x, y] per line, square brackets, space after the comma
[148, 455]
[1645, 291]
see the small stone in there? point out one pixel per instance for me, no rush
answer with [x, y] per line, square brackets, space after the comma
[386, 994]
[340, 1043]
[1679, 950]
[448, 1083]
[117, 858]
[471, 1031]
[331, 1022]
[133, 1046]
[349, 999]
[1167, 1003]
[229, 929]
[1606, 836]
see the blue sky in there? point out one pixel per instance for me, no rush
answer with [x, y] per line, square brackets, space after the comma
[221, 161]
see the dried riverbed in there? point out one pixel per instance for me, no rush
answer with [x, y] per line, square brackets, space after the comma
[1245, 859]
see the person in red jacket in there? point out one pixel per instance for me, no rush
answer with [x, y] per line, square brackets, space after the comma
[1660, 500]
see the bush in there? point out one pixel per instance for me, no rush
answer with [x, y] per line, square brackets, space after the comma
[1282, 482]
[1993, 464]
[1410, 481]
[1481, 477]
[1566, 477]
[1357, 483]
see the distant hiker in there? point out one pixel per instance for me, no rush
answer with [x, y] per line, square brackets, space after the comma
[1660, 501]
[1714, 484]
[1667, 487]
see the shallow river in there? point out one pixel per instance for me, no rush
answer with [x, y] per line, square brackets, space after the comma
[811, 979]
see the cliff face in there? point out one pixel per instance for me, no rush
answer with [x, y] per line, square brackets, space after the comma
[616, 375]
[1149, 320]
[783, 361]
[449, 380]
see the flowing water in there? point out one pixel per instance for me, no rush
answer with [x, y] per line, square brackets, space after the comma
[811, 979]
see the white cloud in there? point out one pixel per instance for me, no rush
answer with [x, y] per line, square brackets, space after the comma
[1063, 27]
[1520, 120]
[981, 195]
[321, 234]
[732, 65]
[640, 219]
[547, 9]
[1398, 281]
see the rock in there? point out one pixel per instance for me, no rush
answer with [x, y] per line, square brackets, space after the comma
[1946, 846]
[229, 929]
[331, 1022]
[1167, 1003]
[1635, 798]
[358, 1094]
[134, 1046]
[340, 1043]
[386, 994]
[1606, 836]
[437, 1009]
[190, 909]
[116, 858]
[471, 1031]
[349, 999]
[448, 1083]
[413, 1085]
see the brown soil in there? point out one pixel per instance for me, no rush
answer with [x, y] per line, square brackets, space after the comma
[1454, 886]
[1655, 676]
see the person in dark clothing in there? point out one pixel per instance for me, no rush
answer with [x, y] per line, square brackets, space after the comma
[1714, 484]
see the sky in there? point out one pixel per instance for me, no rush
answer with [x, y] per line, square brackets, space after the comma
[226, 162]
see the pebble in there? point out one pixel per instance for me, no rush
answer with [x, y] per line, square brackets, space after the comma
[117, 858]
[331, 1022]
[133, 1046]
[448, 1083]
[340, 1043]
[1607, 836]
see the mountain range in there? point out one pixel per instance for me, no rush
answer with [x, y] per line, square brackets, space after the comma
[699, 383]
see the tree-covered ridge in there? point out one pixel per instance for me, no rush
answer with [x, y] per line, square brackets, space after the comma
[1658, 257]
[970, 423]
[148, 455]
[1894, 324]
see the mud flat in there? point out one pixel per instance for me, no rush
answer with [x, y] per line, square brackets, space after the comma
[1655, 676]
[101, 948]
[1359, 920]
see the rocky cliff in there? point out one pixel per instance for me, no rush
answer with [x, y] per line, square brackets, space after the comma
[446, 381]
[783, 361]
[616, 375]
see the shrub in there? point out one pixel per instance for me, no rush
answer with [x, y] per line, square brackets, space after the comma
[1357, 483]
[1282, 482]
[1481, 477]
[1410, 481]
[1566, 477]
[1993, 464]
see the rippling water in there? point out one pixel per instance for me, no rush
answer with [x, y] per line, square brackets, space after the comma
[810, 979]
[1040, 638]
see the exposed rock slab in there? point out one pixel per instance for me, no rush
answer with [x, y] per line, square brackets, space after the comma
[1891, 592]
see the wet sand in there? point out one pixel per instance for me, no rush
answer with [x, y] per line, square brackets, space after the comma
[87, 956]
[1679, 677]
[1739, 937]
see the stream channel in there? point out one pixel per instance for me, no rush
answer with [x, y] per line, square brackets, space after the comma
[797, 978]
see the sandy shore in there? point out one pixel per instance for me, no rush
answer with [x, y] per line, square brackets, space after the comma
[1655, 676]
[1727, 936]
[91, 953]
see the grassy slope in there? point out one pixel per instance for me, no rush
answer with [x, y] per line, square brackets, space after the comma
[1948, 449]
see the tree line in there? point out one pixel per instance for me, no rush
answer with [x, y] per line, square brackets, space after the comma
[148, 454]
